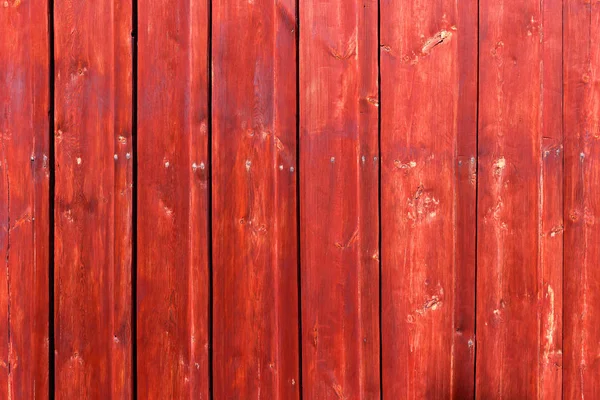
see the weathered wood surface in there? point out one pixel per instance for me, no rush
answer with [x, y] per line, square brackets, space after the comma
[93, 125]
[255, 268]
[582, 206]
[428, 186]
[551, 195]
[339, 228]
[173, 200]
[263, 189]
[519, 268]
[24, 199]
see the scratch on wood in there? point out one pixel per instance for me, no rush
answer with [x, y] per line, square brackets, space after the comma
[439, 38]
[339, 391]
[432, 303]
[350, 241]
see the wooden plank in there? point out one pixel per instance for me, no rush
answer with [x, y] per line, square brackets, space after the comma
[582, 206]
[428, 181]
[339, 226]
[93, 125]
[519, 278]
[173, 200]
[551, 194]
[24, 199]
[256, 352]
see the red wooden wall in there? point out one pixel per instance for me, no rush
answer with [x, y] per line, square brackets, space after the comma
[286, 199]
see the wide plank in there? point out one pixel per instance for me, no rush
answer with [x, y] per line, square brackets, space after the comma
[93, 167]
[519, 267]
[255, 267]
[173, 200]
[428, 193]
[339, 217]
[24, 199]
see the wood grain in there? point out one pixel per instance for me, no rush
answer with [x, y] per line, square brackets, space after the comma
[551, 194]
[519, 278]
[268, 168]
[582, 152]
[339, 225]
[24, 199]
[173, 200]
[255, 268]
[93, 199]
[428, 149]
[93, 123]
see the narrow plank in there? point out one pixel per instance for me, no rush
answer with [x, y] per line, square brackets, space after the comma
[519, 268]
[428, 180]
[339, 226]
[93, 124]
[256, 351]
[173, 200]
[582, 205]
[551, 194]
[24, 199]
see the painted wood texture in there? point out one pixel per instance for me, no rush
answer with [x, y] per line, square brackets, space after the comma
[92, 255]
[428, 187]
[339, 227]
[519, 264]
[173, 200]
[24, 201]
[255, 266]
[297, 233]
[582, 152]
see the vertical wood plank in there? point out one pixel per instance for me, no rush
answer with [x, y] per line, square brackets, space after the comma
[551, 194]
[24, 199]
[173, 200]
[339, 228]
[519, 278]
[582, 206]
[93, 124]
[256, 350]
[428, 149]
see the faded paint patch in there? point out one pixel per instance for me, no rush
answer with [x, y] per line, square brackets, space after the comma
[499, 166]
[400, 165]
[556, 231]
[422, 206]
